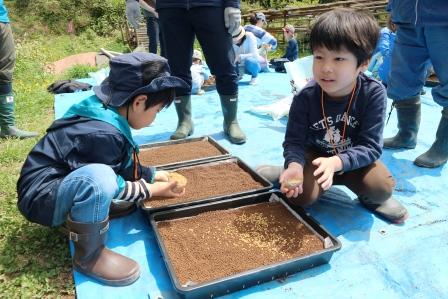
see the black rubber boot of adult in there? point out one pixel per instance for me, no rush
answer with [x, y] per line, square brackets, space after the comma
[408, 115]
[184, 125]
[7, 119]
[437, 155]
[390, 209]
[93, 259]
[271, 173]
[229, 105]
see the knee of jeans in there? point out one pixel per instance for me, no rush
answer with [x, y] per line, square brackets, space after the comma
[105, 179]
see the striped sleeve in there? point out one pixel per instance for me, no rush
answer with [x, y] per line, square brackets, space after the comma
[134, 191]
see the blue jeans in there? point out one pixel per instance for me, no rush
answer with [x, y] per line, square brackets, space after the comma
[155, 36]
[86, 194]
[179, 29]
[414, 48]
[252, 66]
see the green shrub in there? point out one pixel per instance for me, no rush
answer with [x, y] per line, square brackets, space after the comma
[102, 16]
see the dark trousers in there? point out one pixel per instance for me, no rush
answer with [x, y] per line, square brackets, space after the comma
[373, 182]
[154, 33]
[179, 29]
[7, 57]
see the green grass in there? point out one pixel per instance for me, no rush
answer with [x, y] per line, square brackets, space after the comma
[35, 260]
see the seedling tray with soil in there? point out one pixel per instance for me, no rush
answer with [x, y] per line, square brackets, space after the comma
[181, 152]
[220, 247]
[211, 181]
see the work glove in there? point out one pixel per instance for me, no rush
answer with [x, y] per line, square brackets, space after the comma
[232, 19]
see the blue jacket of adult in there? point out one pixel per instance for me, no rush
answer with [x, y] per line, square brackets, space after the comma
[187, 4]
[419, 12]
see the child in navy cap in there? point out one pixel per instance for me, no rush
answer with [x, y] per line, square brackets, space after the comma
[88, 160]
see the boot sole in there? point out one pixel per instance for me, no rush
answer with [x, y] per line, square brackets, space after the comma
[116, 283]
[172, 137]
[234, 141]
[400, 147]
[421, 164]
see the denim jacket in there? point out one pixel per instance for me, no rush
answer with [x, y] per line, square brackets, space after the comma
[419, 12]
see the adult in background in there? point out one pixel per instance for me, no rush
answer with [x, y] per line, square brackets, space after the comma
[247, 59]
[7, 61]
[422, 28]
[133, 13]
[213, 22]
[257, 22]
[152, 26]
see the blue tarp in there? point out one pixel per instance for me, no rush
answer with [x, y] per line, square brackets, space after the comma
[377, 259]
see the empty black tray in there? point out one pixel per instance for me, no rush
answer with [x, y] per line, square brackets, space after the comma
[254, 276]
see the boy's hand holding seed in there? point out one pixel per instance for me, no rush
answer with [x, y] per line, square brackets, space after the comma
[291, 180]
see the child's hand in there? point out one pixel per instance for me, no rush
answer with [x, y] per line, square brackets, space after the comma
[291, 180]
[326, 167]
[161, 176]
[166, 189]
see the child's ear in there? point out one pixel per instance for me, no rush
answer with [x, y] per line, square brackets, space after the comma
[140, 100]
[365, 65]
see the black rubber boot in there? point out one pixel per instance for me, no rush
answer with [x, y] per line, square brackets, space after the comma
[184, 125]
[7, 119]
[271, 173]
[229, 105]
[93, 259]
[121, 209]
[437, 155]
[408, 114]
[390, 209]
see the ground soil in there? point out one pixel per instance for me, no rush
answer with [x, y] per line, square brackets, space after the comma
[215, 245]
[62, 65]
[173, 153]
[209, 180]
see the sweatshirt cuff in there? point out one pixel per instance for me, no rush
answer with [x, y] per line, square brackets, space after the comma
[289, 161]
[346, 164]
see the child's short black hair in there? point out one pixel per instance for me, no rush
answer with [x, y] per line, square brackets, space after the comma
[354, 30]
[253, 19]
[165, 96]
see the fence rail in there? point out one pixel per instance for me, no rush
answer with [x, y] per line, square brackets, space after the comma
[302, 17]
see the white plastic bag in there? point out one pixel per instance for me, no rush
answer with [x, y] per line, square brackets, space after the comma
[300, 71]
[276, 110]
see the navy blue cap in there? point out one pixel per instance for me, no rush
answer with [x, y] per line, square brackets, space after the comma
[133, 74]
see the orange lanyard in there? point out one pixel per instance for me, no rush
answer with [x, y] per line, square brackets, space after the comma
[336, 152]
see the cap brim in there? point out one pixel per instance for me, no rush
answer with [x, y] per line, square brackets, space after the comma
[117, 98]
[103, 91]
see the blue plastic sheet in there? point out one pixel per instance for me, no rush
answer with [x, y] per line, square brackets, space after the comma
[377, 259]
